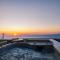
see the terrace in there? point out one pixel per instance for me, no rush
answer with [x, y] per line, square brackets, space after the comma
[29, 49]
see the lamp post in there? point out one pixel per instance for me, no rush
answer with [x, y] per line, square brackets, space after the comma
[2, 35]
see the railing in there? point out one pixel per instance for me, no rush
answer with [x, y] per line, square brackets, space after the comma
[56, 44]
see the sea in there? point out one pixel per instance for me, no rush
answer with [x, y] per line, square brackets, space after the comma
[55, 36]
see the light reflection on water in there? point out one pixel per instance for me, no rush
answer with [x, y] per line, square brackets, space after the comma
[25, 54]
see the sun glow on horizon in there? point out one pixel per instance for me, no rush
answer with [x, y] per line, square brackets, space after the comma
[29, 17]
[30, 31]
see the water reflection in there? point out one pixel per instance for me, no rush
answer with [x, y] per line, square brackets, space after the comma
[26, 54]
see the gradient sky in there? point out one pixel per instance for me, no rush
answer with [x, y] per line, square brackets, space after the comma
[30, 16]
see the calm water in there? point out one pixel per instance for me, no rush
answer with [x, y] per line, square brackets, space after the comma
[26, 54]
[32, 36]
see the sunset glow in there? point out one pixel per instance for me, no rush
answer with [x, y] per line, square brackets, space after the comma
[29, 17]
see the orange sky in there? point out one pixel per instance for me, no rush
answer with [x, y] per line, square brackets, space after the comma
[29, 17]
[30, 31]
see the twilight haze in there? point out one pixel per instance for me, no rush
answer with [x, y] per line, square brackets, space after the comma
[30, 16]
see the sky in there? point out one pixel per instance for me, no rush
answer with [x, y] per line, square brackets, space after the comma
[30, 16]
